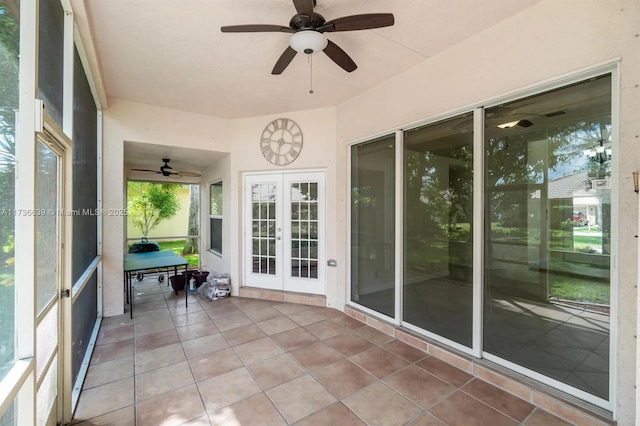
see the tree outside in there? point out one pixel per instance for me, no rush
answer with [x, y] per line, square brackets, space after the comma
[154, 203]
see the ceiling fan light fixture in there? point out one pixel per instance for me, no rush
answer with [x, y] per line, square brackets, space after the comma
[308, 41]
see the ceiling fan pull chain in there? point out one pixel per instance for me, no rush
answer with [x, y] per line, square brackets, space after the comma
[311, 74]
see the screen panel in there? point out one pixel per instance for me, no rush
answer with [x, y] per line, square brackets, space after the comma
[85, 166]
[85, 308]
[50, 52]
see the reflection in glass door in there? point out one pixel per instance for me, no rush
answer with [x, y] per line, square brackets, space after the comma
[48, 278]
[547, 227]
[285, 238]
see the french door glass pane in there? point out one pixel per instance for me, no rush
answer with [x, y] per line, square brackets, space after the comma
[9, 417]
[373, 225]
[264, 228]
[548, 234]
[304, 198]
[9, 71]
[46, 225]
[438, 244]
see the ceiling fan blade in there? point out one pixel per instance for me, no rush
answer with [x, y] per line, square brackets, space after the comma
[284, 61]
[366, 21]
[304, 7]
[340, 57]
[145, 170]
[256, 28]
[189, 174]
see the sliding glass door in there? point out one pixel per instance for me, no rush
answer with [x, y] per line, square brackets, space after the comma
[438, 218]
[547, 234]
[534, 294]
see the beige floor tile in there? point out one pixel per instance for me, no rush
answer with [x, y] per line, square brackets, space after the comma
[200, 421]
[162, 380]
[425, 420]
[344, 378]
[170, 409]
[193, 331]
[111, 335]
[376, 336]
[420, 387]
[294, 339]
[220, 311]
[229, 322]
[158, 358]
[252, 305]
[122, 417]
[299, 398]
[204, 345]
[253, 411]
[258, 350]
[316, 356]
[264, 314]
[291, 308]
[348, 322]
[116, 321]
[225, 389]
[306, 317]
[335, 414]
[462, 409]
[445, 371]
[502, 401]
[542, 418]
[145, 327]
[109, 371]
[277, 325]
[326, 329]
[404, 351]
[349, 344]
[191, 318]
[156, 340]
[104, 399]
[141, 308]
[377, 404]
[379, 362]
[213, 364]
[112, 351]
[245, 334]
[277, 370]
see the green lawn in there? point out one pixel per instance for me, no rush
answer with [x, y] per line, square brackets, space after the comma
[579, 290]
[176, 247]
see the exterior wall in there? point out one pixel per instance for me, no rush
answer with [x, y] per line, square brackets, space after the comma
[318, 152]
[544, 42]
[209, 260]
[175, 226]
[136, 122]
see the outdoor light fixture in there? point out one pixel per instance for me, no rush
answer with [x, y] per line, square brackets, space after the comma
[600, 154]
[308, 42]
[635, 182]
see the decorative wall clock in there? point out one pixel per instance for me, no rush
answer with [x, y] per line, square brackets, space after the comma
[281, 141]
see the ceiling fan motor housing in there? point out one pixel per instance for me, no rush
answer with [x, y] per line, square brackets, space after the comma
[304, 22]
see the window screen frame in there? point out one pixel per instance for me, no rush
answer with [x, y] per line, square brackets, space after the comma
[215, 245]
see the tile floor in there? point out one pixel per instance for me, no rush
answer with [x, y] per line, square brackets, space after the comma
[254, 362]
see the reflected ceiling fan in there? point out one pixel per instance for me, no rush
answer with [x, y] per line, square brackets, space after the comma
[166, 170]
[307, 28]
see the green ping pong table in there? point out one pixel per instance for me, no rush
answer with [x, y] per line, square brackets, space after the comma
[165, 260]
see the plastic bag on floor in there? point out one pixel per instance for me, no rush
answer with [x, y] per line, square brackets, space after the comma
[216, 287]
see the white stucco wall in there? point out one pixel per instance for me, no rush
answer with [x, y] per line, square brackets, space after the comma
[130, 121]
[543, 43]
[549, 40]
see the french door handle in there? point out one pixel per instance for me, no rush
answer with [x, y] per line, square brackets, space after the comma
[278, 238]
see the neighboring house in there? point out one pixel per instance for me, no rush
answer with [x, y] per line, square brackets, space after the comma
[428, 205]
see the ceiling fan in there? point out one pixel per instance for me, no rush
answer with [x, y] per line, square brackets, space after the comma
[307, 28]
[166, 170]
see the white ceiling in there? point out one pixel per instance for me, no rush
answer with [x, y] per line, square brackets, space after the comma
[172, 54]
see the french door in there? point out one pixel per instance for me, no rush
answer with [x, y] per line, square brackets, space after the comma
[285, 231]
[48, 277]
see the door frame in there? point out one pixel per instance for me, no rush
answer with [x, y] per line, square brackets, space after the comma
[59, 145]
[278, 282]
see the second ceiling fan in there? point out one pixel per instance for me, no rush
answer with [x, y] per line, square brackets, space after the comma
[307, 28]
